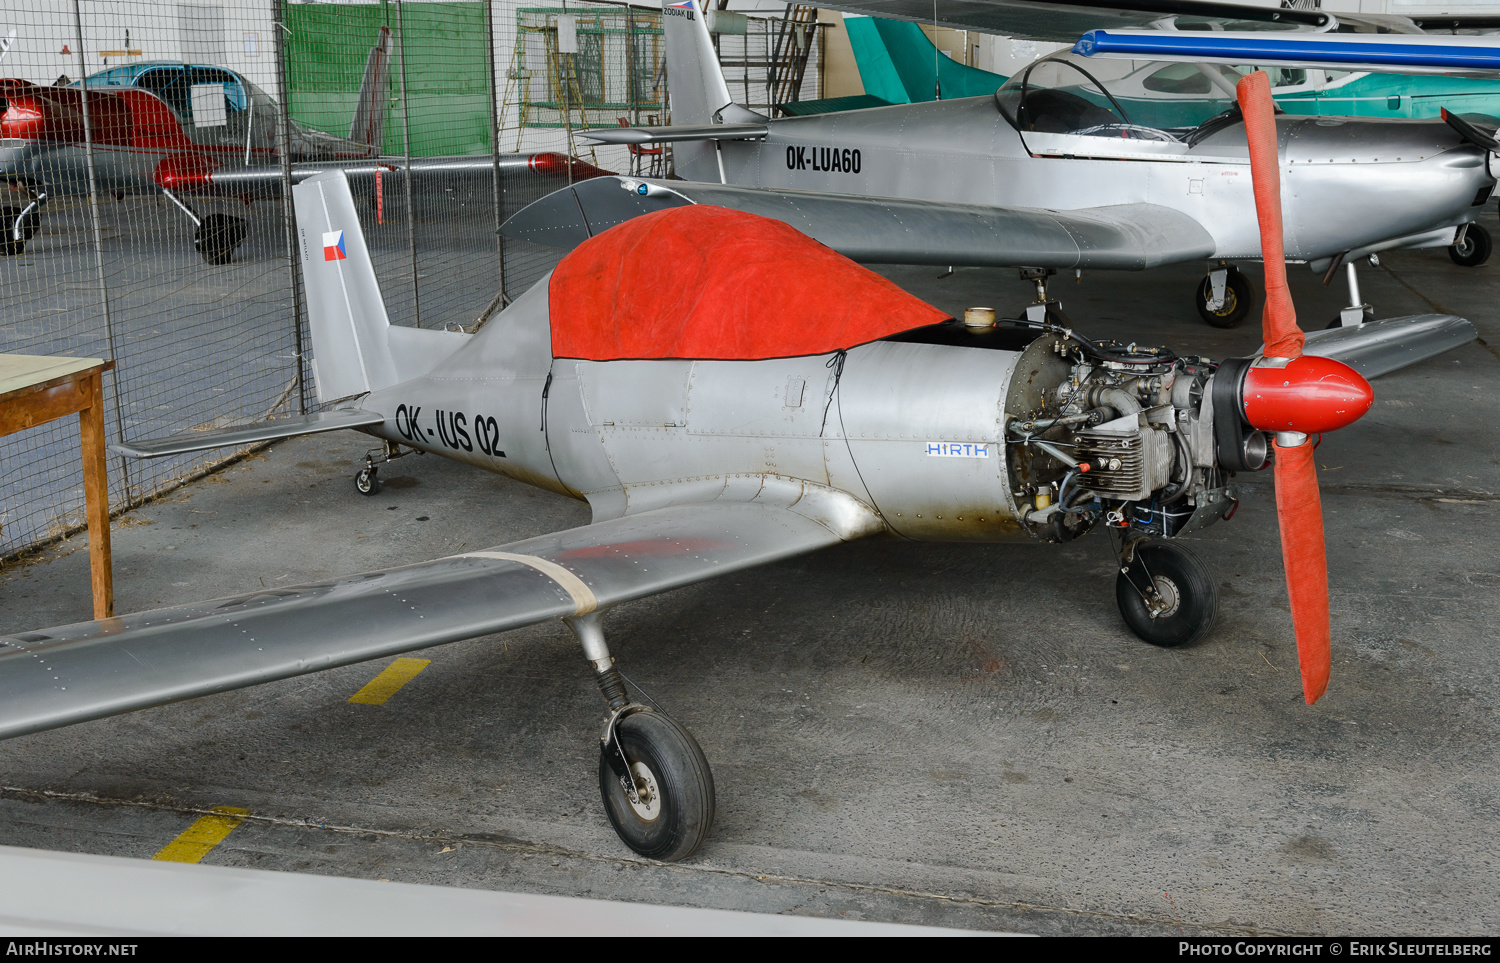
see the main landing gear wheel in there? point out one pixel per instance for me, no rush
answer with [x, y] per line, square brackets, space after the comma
[9, 244]
[1474, 249]
[1167, 595]
[218, 236]
[367, 481]
[1238, 299]
[673, 784]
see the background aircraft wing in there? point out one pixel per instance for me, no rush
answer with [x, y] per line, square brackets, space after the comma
[1461, 56]
[1064, 22]
[56, 677]
[878, 230]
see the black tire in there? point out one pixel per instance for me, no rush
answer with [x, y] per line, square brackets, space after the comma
[29, 226]
[1238, 300]
[218, 236]
[667, 761]
[1183, 579]
[367, 481]
[1474, 249]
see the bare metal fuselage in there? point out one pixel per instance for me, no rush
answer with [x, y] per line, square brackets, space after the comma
[1347, 183]
[630, 436]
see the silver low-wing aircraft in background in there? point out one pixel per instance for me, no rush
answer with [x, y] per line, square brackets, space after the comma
[689, 375]
[1052, 172]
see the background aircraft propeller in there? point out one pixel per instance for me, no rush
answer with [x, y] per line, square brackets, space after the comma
[1295, 396]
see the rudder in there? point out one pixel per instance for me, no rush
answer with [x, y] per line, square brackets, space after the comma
[695, 82]
[345, 312]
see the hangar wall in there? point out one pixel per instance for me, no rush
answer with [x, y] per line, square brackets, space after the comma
[112, 269]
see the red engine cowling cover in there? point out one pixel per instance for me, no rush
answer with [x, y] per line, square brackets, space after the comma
[1310, 395]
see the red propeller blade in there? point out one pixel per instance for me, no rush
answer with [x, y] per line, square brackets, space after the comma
[1299, 509]
[1299, 512]
[1279, 321]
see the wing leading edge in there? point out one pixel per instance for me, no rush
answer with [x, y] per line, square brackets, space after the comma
[60, 676]
[881, 230]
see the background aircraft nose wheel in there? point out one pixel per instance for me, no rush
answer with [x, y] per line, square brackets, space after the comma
[29, 225]
[1474, 249]
[367, 481]
[1238, 299]
[674, 787]
[218, 236]
[1167, 595]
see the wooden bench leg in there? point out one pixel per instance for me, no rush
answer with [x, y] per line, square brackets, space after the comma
[96, 498]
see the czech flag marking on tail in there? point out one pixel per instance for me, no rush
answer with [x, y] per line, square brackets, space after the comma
[333, 246]
[688, 6]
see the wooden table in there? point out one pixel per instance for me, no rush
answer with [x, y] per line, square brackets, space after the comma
[36, 389]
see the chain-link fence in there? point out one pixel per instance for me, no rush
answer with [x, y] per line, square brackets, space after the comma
[145, 164]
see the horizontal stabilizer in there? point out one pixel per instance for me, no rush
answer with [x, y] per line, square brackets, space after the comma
[882, 230]
[1380, 347]
[248, 434]
[660, 135]
[60, 676]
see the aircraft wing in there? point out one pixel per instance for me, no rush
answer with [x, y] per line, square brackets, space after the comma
[1064, 22]
[882, 230]
[1463, 56]
[1381, 347]
[60, 676]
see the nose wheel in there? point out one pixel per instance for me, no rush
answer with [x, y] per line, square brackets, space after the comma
[1166, 593]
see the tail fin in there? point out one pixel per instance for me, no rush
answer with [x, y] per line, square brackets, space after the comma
[369, 115]
[898, 62]
[694, 81]
[345, 312]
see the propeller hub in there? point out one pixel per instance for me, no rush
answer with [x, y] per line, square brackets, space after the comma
[1309, 395]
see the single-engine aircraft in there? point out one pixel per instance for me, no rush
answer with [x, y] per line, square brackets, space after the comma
[1050, 173]
[183, 130]
[689, 375]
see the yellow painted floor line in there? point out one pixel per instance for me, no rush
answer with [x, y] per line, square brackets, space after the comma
[202, 836]
[389, 682]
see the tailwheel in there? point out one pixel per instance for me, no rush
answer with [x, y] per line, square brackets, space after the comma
[367, 481]
[1474, 248]
[1166, 594]
[1236, 304]
[217, 237]
[673, 804]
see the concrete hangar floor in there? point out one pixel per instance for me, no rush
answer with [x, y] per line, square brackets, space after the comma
[944, 734]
